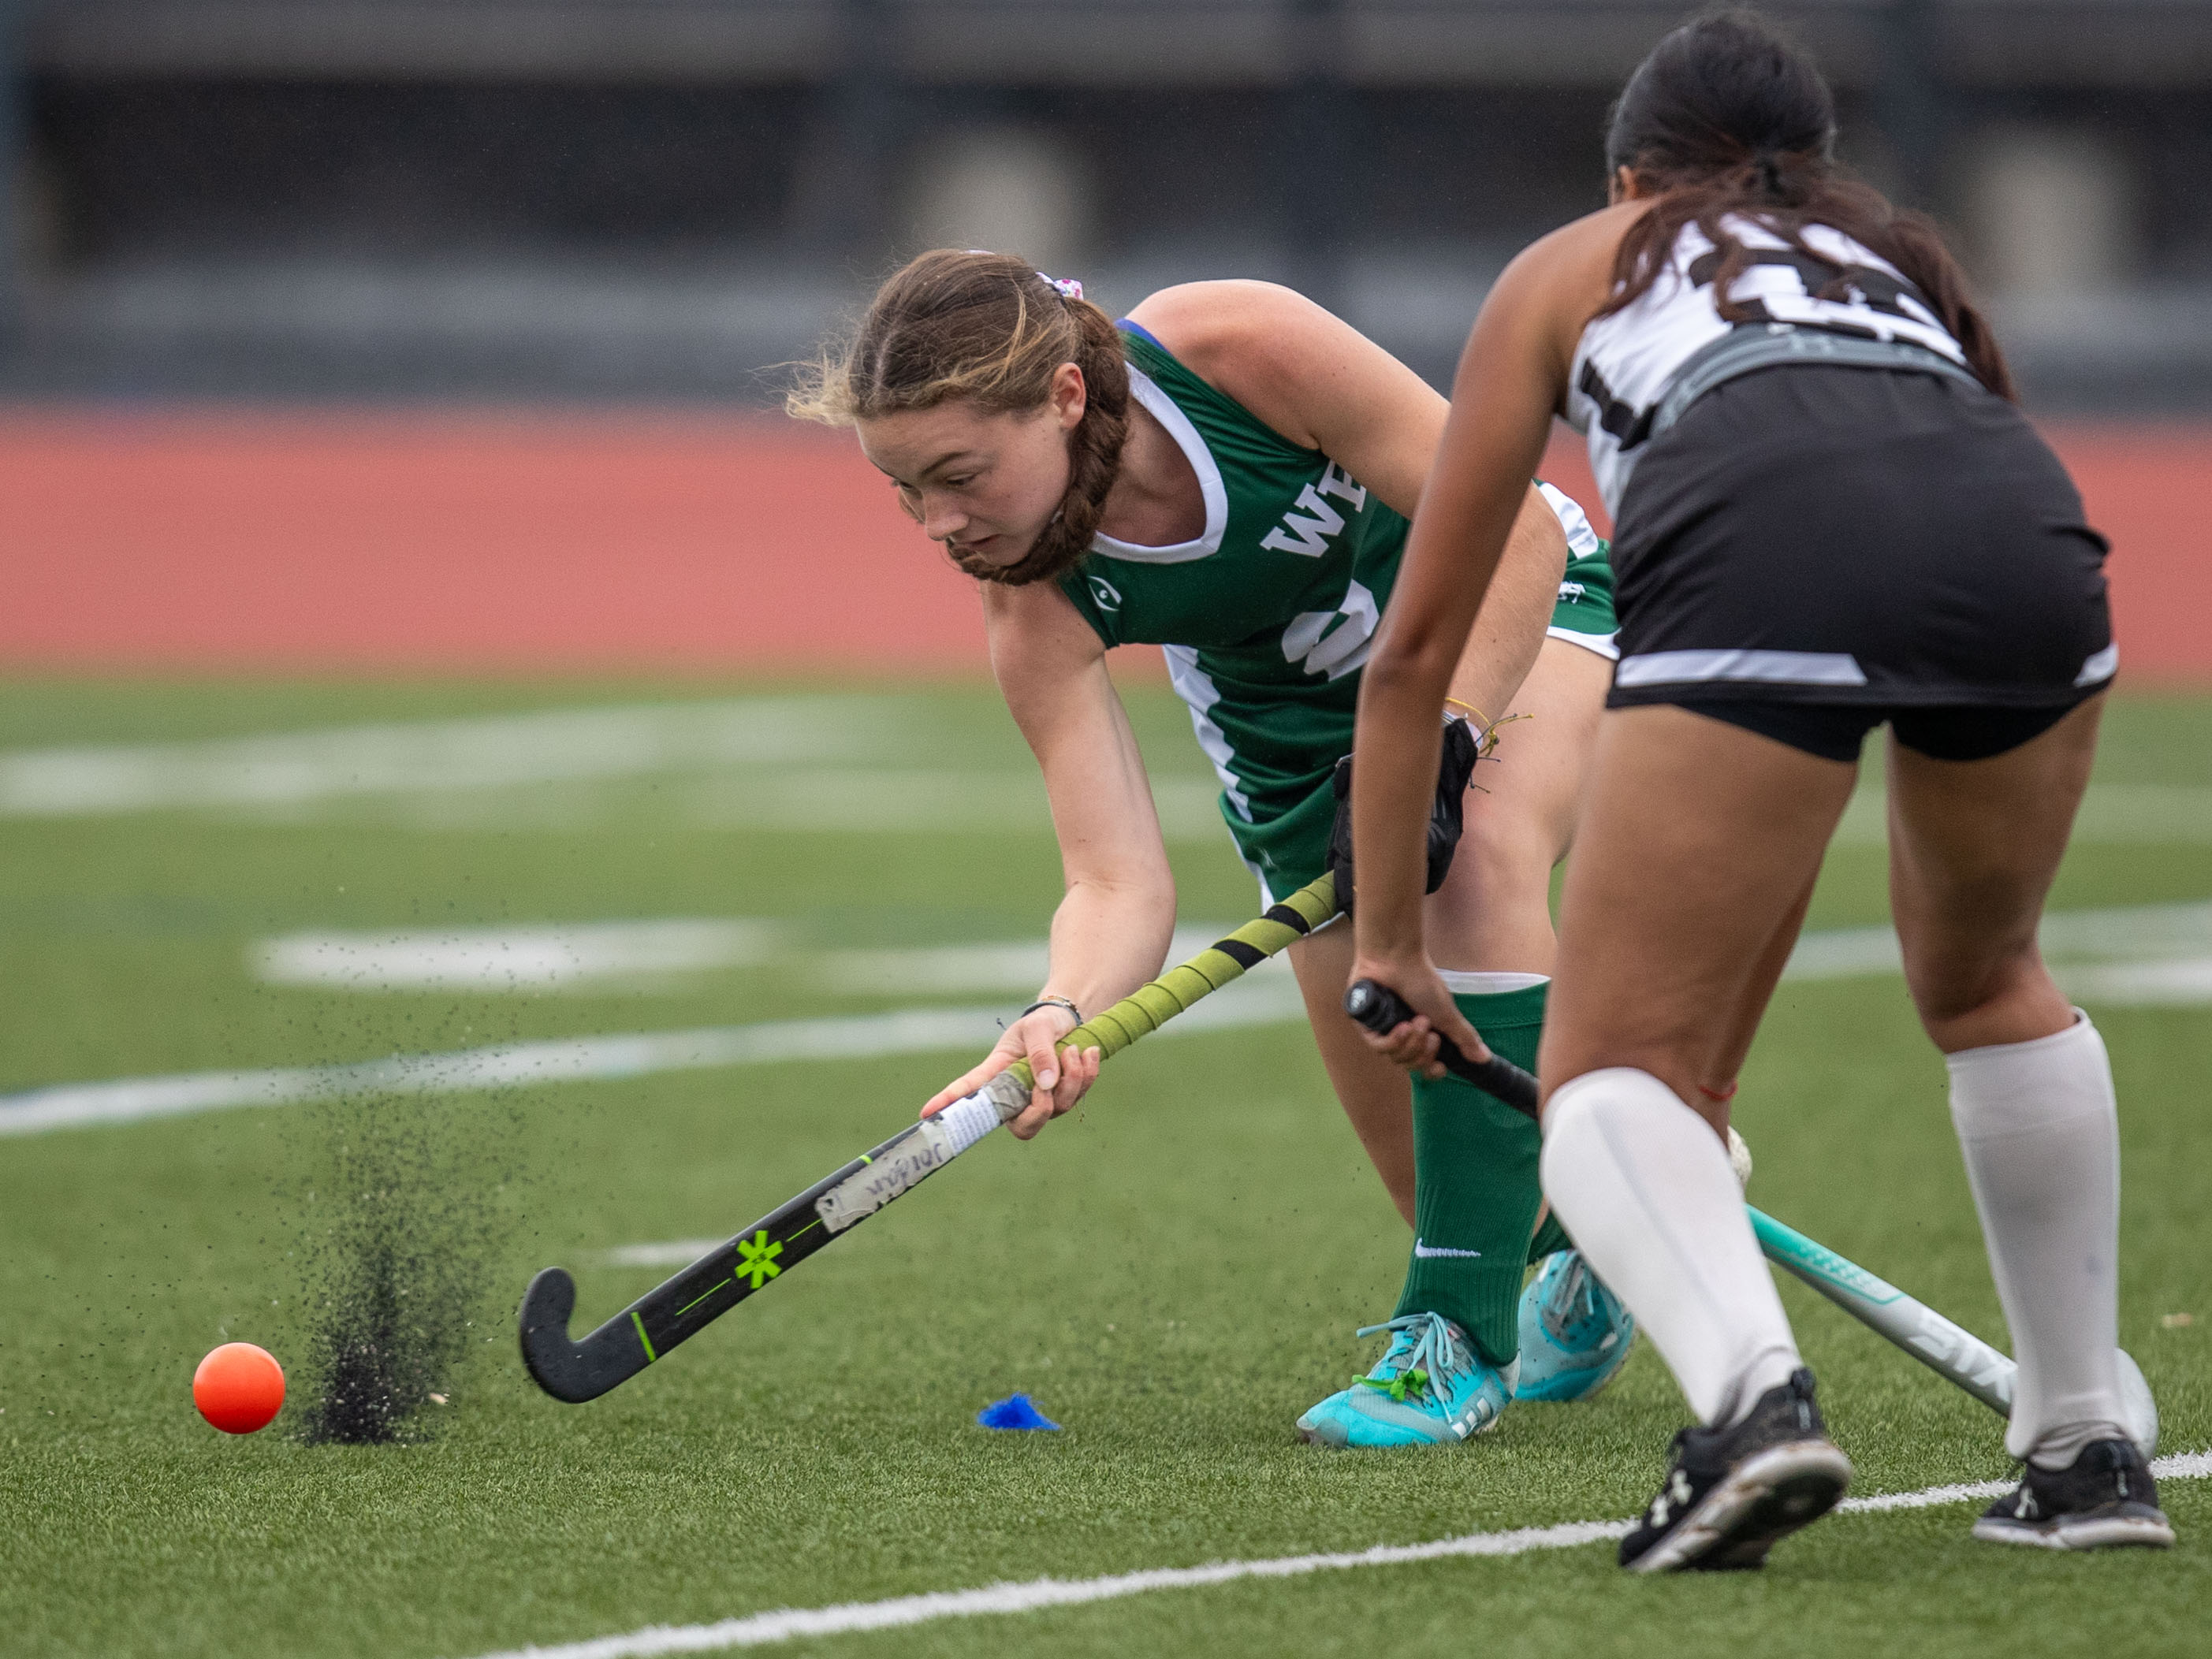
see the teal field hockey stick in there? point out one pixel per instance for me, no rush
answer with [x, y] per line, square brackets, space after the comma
[1951, 1350]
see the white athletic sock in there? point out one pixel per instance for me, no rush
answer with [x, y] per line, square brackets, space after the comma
[2040, 1130]
[1644, 1185]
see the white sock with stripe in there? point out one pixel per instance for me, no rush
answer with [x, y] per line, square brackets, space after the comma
[1643, 1184]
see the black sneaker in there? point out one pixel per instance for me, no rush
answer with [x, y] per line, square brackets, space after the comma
[1733, 1492]
[2104, 1498]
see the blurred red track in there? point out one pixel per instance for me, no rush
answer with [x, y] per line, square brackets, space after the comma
[509, 544]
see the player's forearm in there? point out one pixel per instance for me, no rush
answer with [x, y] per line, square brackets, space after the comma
[1393, 781]
[1509, 630]
[1109, 938]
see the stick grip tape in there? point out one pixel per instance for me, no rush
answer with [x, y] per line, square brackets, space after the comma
[1148, 1008]
[1381, 1010]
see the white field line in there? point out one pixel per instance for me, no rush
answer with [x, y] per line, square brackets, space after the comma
[2181, 933]
[574, 955]
[2111, 815]
[2186, 983]
[1252, 1001]
[290, 768]
[1017, 965]
[762, 1629]
[671, 1253]
[481, 772]
[2161, 953]
[522, 959]
[803, 763]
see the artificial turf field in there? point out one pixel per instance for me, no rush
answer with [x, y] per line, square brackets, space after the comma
[1174, 1275]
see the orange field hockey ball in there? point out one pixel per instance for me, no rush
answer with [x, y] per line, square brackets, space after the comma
[239, 1387]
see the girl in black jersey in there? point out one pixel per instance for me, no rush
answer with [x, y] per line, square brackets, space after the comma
[1829, 516]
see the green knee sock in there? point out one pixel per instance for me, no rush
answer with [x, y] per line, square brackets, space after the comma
[1475, 1195]
[1549, 1237]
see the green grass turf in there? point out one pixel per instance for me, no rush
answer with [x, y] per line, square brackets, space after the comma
[1174, 1275]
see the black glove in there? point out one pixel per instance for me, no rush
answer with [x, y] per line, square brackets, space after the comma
[1455, 768]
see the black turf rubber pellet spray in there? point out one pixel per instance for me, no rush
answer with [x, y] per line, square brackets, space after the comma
[397, 1239]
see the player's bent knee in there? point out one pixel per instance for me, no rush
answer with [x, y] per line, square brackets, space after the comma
[1503, 852]
[1961, 1005]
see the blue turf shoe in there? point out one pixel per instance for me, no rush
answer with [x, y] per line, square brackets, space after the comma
[1431, 1389]
[1574, 1332]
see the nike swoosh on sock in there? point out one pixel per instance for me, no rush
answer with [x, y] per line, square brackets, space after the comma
[1429, 1252]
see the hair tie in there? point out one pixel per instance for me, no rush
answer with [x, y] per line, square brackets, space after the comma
[1067, 287]
[1769, 163]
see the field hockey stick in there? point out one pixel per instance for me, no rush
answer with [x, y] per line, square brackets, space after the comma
[1949, 1350]
[686, 1305]
[1952, 1352]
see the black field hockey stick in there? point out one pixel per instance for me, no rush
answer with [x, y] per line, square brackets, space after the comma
[702, 1292]
[1382, 1011]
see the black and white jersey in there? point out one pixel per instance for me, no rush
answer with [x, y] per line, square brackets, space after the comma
[1627, 360]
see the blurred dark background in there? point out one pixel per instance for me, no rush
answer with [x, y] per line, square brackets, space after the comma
[652, 199]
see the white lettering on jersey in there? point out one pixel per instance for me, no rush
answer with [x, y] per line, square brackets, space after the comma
[1335, 481]
[1307, 537]
[1628, 359]
[1324, 646]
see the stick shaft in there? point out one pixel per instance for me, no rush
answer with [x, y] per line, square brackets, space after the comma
[1949, 1350]
[929, 1146]
[1148, 1008]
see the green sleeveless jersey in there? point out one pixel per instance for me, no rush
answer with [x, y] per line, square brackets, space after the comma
[1267, 616]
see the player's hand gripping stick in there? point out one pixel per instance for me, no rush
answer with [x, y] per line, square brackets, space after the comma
[1382, 1011]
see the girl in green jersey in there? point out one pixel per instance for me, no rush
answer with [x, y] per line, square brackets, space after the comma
[1229, 473]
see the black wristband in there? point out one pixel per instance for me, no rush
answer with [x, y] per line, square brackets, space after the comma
[1052, 1002]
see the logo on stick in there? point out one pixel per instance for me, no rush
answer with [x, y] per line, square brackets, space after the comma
[756, 1258]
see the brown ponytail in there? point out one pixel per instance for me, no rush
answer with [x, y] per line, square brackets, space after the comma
[1726, 117]
[987, 328]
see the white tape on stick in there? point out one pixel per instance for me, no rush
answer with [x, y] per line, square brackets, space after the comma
[935, 1142]
[969, 1120]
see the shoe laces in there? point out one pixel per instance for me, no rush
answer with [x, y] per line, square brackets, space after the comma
[1425, 1348]
[1574, 1299]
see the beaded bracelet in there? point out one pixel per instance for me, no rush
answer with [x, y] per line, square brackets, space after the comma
[1053, 1002]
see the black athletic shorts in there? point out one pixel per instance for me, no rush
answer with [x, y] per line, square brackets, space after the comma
[1812, 550]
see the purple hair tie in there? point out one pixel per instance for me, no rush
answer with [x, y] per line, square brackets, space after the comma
[1067, 287]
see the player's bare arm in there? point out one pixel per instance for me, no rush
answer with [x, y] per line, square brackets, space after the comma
[1110, 933]
[1509, 385]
